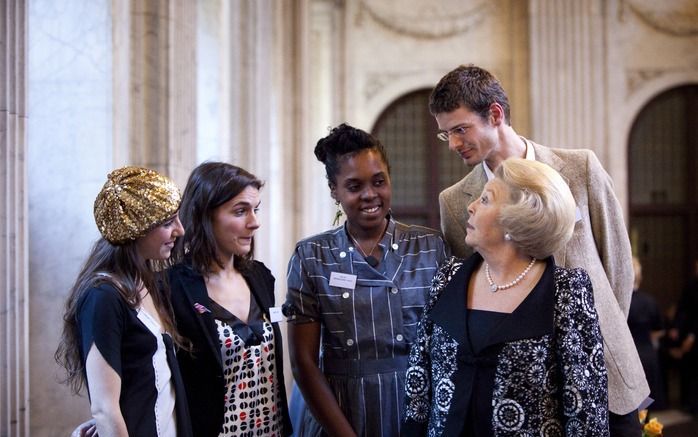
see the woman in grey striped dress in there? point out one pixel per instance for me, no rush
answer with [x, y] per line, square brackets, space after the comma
[355, 295]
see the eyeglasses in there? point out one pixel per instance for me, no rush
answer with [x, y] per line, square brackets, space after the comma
[458, 130]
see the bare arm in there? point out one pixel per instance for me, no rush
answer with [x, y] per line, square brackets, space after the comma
[105, 388]
[304, 347]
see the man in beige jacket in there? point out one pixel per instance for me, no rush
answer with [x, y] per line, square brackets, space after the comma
[472, 111]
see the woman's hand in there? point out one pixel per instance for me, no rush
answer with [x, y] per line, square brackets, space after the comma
[86, 429]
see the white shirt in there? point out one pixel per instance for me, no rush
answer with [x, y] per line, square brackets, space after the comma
[165, 419]
[530, 154]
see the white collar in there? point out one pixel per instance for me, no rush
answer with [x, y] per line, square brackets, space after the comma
[530, 154]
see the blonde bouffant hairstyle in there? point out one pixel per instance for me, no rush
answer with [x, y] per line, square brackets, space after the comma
[540, 214]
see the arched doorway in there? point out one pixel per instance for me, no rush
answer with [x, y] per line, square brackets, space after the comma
[663, 189]
[421, 165]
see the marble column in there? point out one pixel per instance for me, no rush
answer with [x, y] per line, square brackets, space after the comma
[322, 67]
[252, 113]
[69, 153]
[568, 67]
[14, 327]
[155, 85]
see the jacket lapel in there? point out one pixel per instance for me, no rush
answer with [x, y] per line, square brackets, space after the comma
[546, 156]
[196, 293]
[257, 286]
[473, 183]
[449, 311]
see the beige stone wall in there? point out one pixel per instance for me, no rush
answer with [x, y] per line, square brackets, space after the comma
[394, 47]
[577, 72]
[651, 48]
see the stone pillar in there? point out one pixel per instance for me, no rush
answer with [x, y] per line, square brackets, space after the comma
[568, 65]
[155, 85]
[14, 326]
[259, 48]
[322, 70]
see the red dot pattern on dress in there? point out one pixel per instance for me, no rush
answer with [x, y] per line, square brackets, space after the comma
[251, 395]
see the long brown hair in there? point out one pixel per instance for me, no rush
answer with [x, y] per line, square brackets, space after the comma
[128, 272]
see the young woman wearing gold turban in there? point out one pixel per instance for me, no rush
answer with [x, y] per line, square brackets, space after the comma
[118, 331]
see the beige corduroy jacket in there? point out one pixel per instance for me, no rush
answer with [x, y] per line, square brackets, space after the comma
[599, 245]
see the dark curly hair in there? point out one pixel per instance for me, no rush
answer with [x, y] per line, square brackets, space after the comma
[469, 86]
[345, 141]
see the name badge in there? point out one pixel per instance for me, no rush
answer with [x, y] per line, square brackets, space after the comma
[343, 280]
[577, 214]
[275, 314]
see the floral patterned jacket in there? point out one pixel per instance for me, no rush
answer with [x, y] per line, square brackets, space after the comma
[549, 377]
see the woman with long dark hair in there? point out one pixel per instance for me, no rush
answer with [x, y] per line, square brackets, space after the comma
[222, 299]
[118, 334]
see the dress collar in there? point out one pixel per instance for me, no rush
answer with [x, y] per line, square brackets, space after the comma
[532, 318]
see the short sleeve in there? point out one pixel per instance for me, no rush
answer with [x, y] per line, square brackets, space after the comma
[301, 305]
[100, 320]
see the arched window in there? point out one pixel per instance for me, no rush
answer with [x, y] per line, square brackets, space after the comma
[421, 165]
[663, 167]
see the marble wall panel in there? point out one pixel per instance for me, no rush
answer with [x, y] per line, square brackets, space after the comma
[69, 154]
[14, 296]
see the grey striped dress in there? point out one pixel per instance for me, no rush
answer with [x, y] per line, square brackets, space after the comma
[366, 332]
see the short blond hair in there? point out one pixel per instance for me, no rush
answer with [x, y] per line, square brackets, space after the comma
[540, 214]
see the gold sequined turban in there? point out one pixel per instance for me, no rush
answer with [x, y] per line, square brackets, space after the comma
[132, 202]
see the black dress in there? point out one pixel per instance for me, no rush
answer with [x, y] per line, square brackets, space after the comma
[123, 338]
[538, 370]
[485, 335]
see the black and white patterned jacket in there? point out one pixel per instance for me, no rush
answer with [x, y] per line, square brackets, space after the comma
[550, 377]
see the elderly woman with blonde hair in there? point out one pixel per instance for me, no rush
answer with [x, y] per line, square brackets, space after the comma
[509, 343]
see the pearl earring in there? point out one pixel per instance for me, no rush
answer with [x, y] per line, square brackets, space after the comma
[507, 236]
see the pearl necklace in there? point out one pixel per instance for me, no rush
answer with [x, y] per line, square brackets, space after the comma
[495, 288]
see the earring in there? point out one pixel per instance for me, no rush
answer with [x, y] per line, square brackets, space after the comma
[337, 215]
[507, 236]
